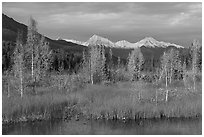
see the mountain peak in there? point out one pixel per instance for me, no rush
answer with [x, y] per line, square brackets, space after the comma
[98, 40]
[149, 39]
[151, 42]
[95, 35]
[124, 44]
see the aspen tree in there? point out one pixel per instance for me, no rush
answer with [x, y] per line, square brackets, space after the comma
[135, 62]
[19, 62]
[171, 54]
[110, 64]
[32, 42]
[194, 55]
[165, 67]
[93, 61]
[131, 66]
[97, 62]
[38, 54]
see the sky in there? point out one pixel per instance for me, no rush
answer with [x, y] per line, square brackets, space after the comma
[179, 23]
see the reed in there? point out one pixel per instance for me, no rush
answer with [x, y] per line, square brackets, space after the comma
[122, 102]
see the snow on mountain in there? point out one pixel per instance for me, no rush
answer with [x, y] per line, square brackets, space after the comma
[124, 44]
[151, 42]
[98, 40]
[75, 41]
[146, 42]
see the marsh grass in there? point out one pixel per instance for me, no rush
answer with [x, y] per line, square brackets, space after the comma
[122, 102]
[47, 104]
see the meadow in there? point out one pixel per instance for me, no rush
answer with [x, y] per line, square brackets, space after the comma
[70, 97]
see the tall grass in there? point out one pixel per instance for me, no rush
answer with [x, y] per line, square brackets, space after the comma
[31, 107]
[122, 102]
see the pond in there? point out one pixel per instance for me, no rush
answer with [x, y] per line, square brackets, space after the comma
[104, 127]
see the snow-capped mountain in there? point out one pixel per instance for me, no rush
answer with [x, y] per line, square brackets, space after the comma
[146, 42]
[152, 43]
[124, 44]
[98, 40]
[75, 41]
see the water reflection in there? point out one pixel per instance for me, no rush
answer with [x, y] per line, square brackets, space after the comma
[175, 126]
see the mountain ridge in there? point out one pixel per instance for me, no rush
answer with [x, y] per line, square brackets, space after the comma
[146, 42]
[76, 48]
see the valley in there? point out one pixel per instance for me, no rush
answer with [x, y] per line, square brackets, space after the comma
[86, 82]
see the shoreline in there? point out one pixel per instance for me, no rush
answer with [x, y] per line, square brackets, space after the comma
[80, 116]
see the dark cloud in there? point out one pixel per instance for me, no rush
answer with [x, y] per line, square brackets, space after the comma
[176, 22]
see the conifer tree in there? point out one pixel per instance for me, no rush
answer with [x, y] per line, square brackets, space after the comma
[135, 62]
[42, 59]
[194, 52]
[102, 64]
[119, 62]
[110, 64]
[175, 64]
[184, 70]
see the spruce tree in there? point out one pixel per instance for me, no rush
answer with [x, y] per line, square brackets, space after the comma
[135, 62]
[184, 74]
[194, 54]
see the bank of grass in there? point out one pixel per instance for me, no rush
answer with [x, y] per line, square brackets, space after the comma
[116, 101]
[47, 101]
[121, 101]
[47, 104]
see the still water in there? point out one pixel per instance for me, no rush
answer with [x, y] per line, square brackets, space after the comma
[174, 126]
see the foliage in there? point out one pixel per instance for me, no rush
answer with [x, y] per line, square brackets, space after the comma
[194, 53]
[97, 63]
[19, 66]
[135, 62]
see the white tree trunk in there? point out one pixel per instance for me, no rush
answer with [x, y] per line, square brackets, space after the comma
[21, 78]
[139, 96]
[92, 79]
[166, 85]
[32, 67]
[166, 90]
[8, 90]
[91, 74]
[194, 83]
[171, 73]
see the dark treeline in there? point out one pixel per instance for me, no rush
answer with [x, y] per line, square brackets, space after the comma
[60, 58]
[70, 61]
